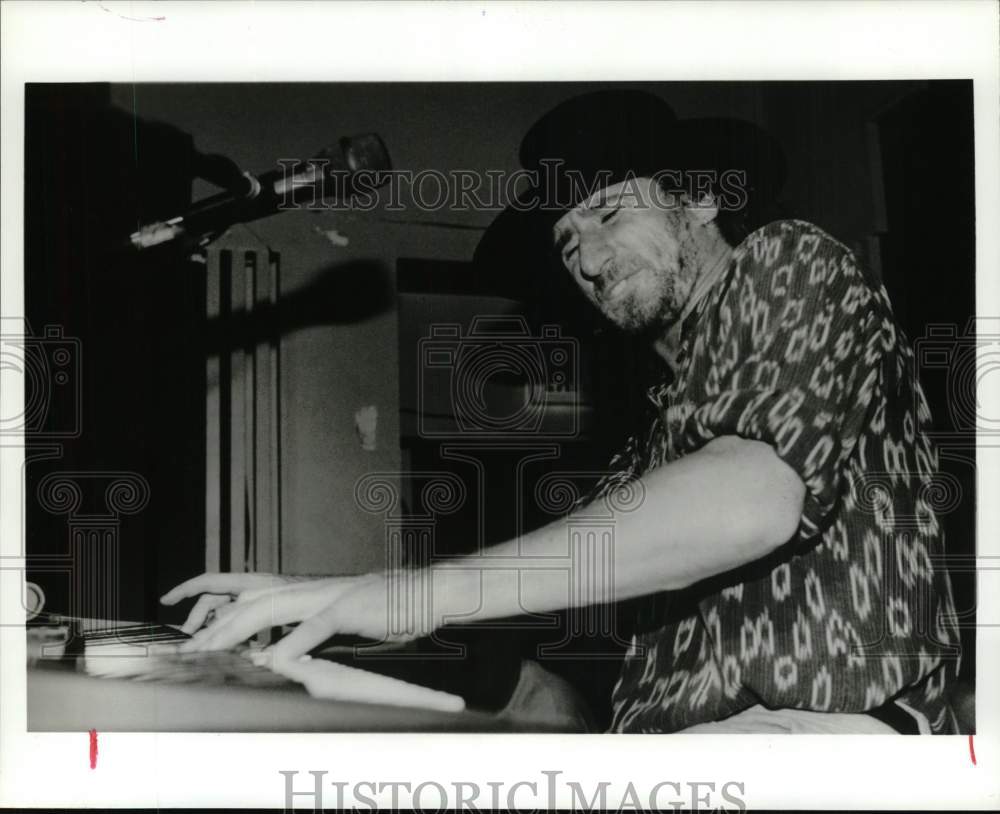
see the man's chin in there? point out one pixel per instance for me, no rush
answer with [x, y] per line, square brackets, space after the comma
[633, 321]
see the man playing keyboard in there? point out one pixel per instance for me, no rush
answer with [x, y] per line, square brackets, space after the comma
[786, 446]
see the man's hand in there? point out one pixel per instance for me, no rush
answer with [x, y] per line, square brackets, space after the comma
[244, 604]
[376, 606]
[218, 590]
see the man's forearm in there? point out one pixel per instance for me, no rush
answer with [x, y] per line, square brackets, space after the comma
[729, 504]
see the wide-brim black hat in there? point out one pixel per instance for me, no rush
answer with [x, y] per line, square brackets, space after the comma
[602, 138]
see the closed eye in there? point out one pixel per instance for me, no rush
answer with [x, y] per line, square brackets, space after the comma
[609, 215]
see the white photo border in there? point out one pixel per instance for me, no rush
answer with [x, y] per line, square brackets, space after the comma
[416, 41]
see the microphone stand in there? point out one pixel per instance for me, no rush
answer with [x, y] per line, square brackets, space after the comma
[356, 164]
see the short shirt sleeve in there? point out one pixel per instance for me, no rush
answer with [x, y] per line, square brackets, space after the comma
[622, 470]
[790, 353]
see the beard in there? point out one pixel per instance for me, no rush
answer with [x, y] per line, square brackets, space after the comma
[647, 300]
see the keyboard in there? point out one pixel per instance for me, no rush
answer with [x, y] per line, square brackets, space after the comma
[128, 676]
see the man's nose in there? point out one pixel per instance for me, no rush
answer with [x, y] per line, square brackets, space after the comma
[594, 255]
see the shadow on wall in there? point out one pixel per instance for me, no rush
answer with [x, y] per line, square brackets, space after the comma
[341, 294]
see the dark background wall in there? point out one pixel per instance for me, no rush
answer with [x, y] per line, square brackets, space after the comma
[862, 159]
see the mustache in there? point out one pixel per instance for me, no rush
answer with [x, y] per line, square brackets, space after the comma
[612, 273]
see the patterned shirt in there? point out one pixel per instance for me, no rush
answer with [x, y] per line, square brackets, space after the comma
[796, 348]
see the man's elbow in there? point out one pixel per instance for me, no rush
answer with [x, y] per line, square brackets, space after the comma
[773, 493]
[788, 500]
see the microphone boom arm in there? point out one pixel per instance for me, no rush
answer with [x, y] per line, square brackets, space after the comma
[357, 163]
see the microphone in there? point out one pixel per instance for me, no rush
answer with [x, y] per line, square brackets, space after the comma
[354, 165]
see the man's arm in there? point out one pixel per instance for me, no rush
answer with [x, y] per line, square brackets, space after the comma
[724, 506]
[728, 504]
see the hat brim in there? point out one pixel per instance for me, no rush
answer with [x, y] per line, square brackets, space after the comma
[518, 242]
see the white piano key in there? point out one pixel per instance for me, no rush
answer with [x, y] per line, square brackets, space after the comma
[338, 682]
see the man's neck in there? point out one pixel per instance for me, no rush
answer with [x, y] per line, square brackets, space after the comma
[712, 269]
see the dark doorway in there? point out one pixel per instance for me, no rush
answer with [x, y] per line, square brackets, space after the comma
[928, 258]
[131, 330]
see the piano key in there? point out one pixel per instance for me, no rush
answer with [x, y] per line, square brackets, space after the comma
[338, 682]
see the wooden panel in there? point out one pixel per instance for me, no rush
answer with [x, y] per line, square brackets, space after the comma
[243, 497]
[265, 497]
[237, 420]
[213, 420]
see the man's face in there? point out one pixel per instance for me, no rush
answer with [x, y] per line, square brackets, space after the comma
[630, 249]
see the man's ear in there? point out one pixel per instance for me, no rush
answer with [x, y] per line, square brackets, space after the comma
[702, 208]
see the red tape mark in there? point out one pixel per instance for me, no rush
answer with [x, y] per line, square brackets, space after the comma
[93, 749]
[972, 751]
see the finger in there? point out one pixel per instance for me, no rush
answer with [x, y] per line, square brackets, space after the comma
[210, 583]
[219, 635]
[241, 621]
[221, 583]
[202, 608]
[260, 658]
[225, 610]
[202, 640]
[310, 634]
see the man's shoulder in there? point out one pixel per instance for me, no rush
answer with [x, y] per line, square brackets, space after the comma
[795, 258]
[789, 239]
